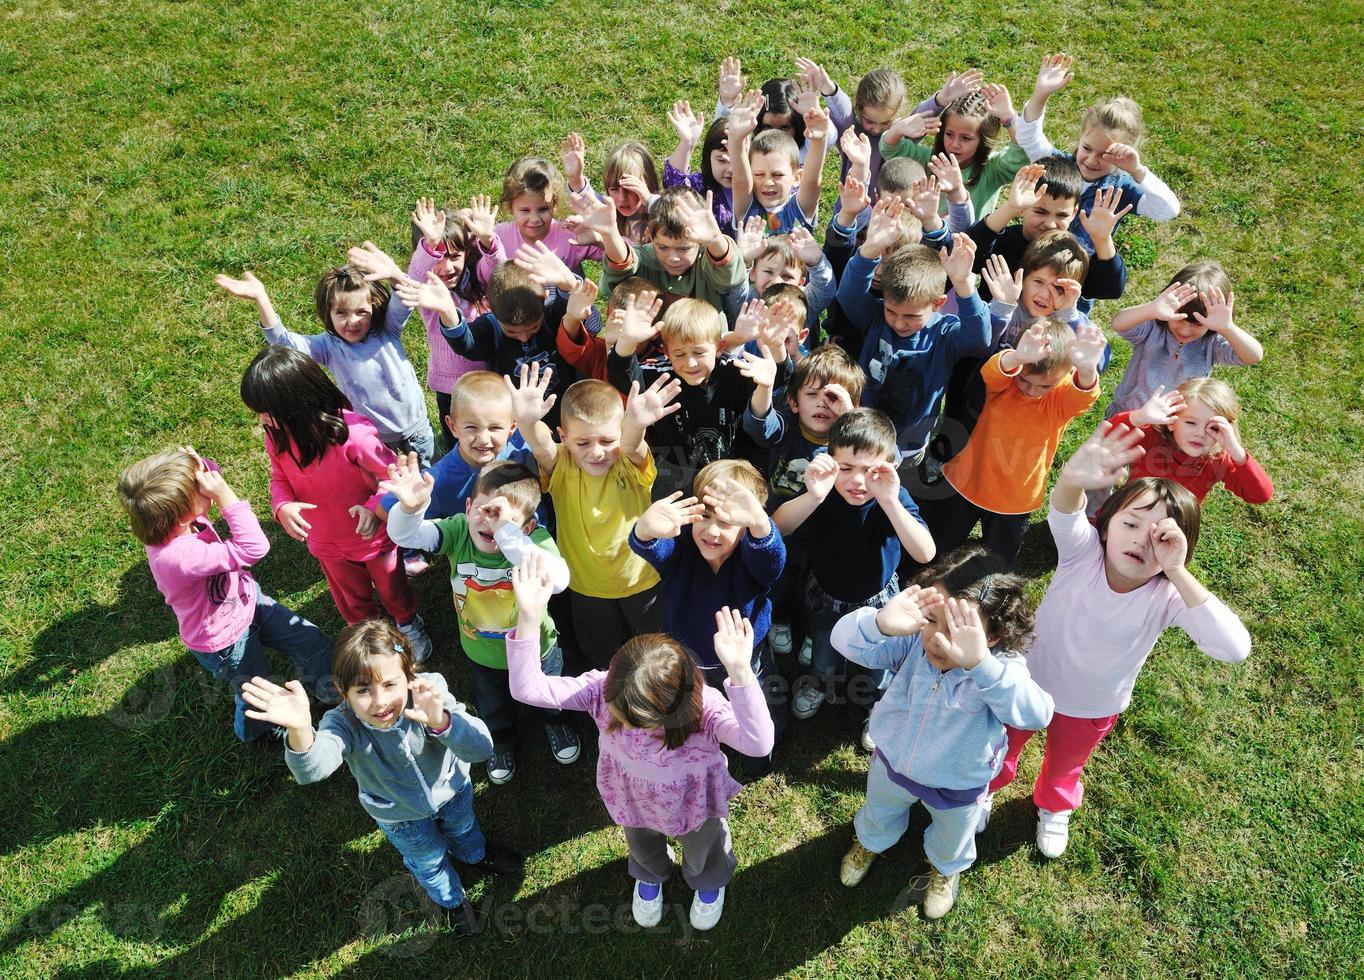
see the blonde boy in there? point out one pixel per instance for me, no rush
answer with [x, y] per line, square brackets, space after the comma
[769, 180]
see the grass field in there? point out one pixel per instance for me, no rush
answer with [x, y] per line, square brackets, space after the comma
[148, 145]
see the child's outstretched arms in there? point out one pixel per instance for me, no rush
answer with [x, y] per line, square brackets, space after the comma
[531, 402]
[288, 708]
[1096, 465]
[884, 484]
[871, 637]
[532, 585]
[743, 120]
[249, 287]
[643, 409]
[1164, 307]
[749, 730]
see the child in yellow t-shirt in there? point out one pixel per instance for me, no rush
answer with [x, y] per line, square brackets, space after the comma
[1031, 393]
[600, 476]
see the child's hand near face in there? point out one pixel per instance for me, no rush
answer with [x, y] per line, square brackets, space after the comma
[698, 220]
[883, 482]
[409, 484]
[211, 483]
[374, 263]
[752, 234]
[530, 400]
[644, 408]
[429, 221]
[1172, 298]
[532, 585]
[750, 318]
[945, 168]
[912, 127]
[1160, 409]
[1219, 307]
[803, 244]
[367, 522]
[736, 505]
[428, 704]
[852, 200]
[734, 646]
[1085, 353]
[907, 612]
[820, 475]
[958, 85]
[573, 153]
[780, 319]
[806, 95]
[481, 220]
[635, 323]
[496, 510]
[838, 398]
[1225, 434]
[883, 228]
[1169, 545]
[285, 706]
[665, 518]
[1033, 345]
[546, 269]
[1125, 158]
[1025, 191]
[431, 295]
[1103, 217]
[731, 82]
[964, 642]
[1003, 287]
[959, 262]
[635, 187]
[1067, 293]
[597, 215]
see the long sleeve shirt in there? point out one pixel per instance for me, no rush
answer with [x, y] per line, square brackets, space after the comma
[1198, 474]
[559, 240]
[706, 279]
[1158, 358]
[444, 367]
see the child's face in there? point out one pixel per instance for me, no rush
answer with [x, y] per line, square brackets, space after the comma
[1048, 214]
[1041, 296]
[1186, 331]
[1190, 430]
[676, 255]
[715, 539]
[874, 120]
[721, 167]
[772, 268]
[593, 447]
[693, 363]
[481, 430]
[937, 626]
[815, 411]
[380, 700]
[352, 314]
[522, 332]
[1129, 559]
[450, 267]
[481, 526]
[1035, 384]
[774, 178]
[627, 203]
[960, 137]
[853, 467]
[1089, 154]
[533, 214]
[906, 317]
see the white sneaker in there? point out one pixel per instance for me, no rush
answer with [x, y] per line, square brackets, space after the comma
[807, 701]
[868, 743]
[648, 911]
[415, 632]
[986, 804]
[1053, 832]
[942, 894]
[780, 638]
[807, 652]
[706, 915]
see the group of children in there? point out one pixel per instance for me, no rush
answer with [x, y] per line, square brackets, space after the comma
[765, 449]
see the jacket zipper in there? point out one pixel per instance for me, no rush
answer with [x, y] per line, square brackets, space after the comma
[913, 749]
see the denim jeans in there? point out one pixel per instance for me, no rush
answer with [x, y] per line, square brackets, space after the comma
[282, 629]
[496, 706]
[826, 664]
[423, 444]
[424, 845]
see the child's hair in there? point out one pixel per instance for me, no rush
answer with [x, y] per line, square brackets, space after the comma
[653, 682]
[533, 175]
[881, 87]
[158, 493]
[976, 573]
[636, 286]
[514, 296]
[1203, 275]
[776, 141]
[665, 218]
[458, 240]
[865, 430]
[592, 401]
[1119, 118]
[1058, 251]
[1218, 396]
[631, 158]
[973, 111]
[828, 365]
[1179, 503]
[345, 279]
[515, 481]
[897, 175]
[480, 388]
[716, 134]
[304, 403]
[1061, 337]
[741, 471]
[778, 94]
[358, 646]
[780, 245]
[1061, 177]
[792, 294]
[692, 321]
[913, 275]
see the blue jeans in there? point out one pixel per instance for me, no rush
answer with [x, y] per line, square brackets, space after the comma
[282, 629]
[423, 444]
[826, 664]
[424, 845]
[497, 708]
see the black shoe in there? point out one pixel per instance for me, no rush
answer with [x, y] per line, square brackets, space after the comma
[502, 764]
[498, 860]
[563, 742]
[462, 920]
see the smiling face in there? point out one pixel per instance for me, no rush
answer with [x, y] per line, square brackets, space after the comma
[693, 363]
[1041, 296]
[352, 312]
[481, 429]
[676, 255]
[1129, 559]
[1048, 214]
[774, 178]
[379, 700]
[853, 468]
[906, 317]
[533, 214]
[1190, 430]
[715, 539]
[450, 267]
[1186, 331]
[593, 447]
[960, 137]
[1089, 154]
[772, 268]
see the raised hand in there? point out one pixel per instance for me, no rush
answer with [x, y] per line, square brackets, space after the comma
[884, 483]
[752, 236]
[856, 149]
[734, 645]
[1054, 75]
[1088, 348]
[646, 407]
[285, 706]
[997, 101]
[689, 125]
[546, 269]
[907, 612]
[581, 298]
[1067, 293]
[820, 475]
[429, 221]
[1162, 408]
[666, 517]
[1220, 308]
[409, 484]
[781, 319]
[1025, 191]
[750, 318]
[597, 215]
[532, 585]
[374, 263]
[806, 95]
[247, 287]
[758, 368]
[815, 76]
[639, 322]
[913, 127]
[1033, 345]
[852, 196]
[1003, 287]
[480, 218]
[428, 703]
[959, 262]
[883, 228]
[922, 199]
[816, 121]
[211, 483]
[1124, 157]
[1171, 300]
[531, 400]
[958, 85]
[735, 504]
[1104, 214]
[573, 153]
[945, 168]
[731, 82]
[1169, 545]
[429, 295]
[290, 517]
[743, 119]
[367, 522]
[964, 642]
[698, 218]
[1103, 457]
[804, 245]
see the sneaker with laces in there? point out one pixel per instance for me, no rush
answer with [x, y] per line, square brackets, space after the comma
[417, 639]
[1053, 832]
[807, 701]
[856, 863]
[780, 638]
[414, 563]
[868, 743]
[942, 894]
[648, 912]
[502, 764]
[563, 742]
[462, 920]
[498, 860]
[807, 652]
[706, 915]
[986, 804]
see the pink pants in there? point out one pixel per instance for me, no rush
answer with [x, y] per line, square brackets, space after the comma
[353, 584]
[1070, 743]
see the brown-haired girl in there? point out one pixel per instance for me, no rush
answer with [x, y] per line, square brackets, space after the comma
[660, 768]
[533, 194]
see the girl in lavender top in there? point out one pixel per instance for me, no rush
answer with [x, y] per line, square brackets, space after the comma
[716, 174]
[660, 769]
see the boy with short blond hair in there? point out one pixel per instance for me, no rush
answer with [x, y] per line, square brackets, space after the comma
[795, 259]
[769, 180]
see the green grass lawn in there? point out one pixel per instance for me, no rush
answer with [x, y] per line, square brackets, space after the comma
[147, 146]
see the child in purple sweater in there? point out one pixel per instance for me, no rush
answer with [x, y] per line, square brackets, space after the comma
[660, 768]
[224, 616]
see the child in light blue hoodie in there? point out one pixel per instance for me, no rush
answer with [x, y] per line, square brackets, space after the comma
[939, 728]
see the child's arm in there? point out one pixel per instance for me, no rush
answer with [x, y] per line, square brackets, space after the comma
[731, 84]
[311, 756]
[247, 544]
[1219, 320]
[761, 550]
[908, 130]
[525, 676]
[1155, 200]
[884, 483]
[636, 325]
[700, 226]
[819, 480]
[376, 265]
[643, 409]
[412, 488]
[573, 154]
[1085, 354]
[876, 638]
[1006, 689]
[1096, 465]
[1054, 75]
[1242, 474]
[761, 369]
[689, 126]
[433, 295]
[747, 726]
[445, 719]
[664, 519]
[250, 288]
[856, 149]
[812, 171]
[1165, 307]
[531, 403]
[1107, 275]
[1024, 193]
[814, 76]
[599, 216]
[515, 544]
[1216, 629]
[961, 210]
[743, 120]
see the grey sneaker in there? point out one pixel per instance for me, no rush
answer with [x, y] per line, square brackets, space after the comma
[502, 764]
[807, 701]
[780, 638]
[563, 742]
[942, 894]
[807, 653]
[417, 638]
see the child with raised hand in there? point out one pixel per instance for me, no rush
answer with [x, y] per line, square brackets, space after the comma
[325, 465]
[362, 344]
[484, 544]
[1117, 587]
[770, 180]
[1190, 436]
[856, 534]
[1183, 333]
[960, 629]
[716, 176]
[462, 250]
[631, 179]
[1032, 391]
[632, 297]
[660, 770]
[408, 743]
[794, 258]
[861, 120]
[533, 193]
[599, 475]
[1106, 151]
[731, 558]
[223, 615]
